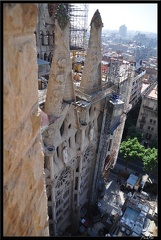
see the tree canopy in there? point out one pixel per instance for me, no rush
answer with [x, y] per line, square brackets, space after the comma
[150, 160]
[131, 149]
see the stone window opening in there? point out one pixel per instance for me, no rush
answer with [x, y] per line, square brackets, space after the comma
[49, 198]
[57, 151]
[47, 37]
[41, 38]
[76, 183]
[62, 129]
[90, 110]
[69, 143]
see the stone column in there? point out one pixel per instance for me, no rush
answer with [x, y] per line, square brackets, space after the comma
[25, 200]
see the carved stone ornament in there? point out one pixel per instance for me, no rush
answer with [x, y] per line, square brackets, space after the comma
[62, 63]
[62, 16]
[60, 78]
[97, 20]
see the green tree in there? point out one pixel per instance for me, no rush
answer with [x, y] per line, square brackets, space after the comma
[131, 149]
[150, 160]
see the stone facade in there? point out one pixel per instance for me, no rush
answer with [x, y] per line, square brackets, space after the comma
[25, 202]
[83, 135]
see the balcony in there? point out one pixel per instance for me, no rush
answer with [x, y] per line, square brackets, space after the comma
[149, 108]
[95, 94]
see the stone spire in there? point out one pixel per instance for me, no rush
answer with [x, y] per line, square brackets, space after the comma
[60, 85]
[91, 76]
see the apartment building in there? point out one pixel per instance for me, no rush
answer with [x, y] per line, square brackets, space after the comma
[137, 83]
[148, 116]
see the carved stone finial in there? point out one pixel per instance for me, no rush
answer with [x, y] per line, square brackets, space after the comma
[62, 16]
[97, 19]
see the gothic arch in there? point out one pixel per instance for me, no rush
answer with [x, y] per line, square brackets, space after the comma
[86, 169]
[63, 193]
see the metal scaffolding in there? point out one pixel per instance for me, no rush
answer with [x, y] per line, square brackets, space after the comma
[79, 25]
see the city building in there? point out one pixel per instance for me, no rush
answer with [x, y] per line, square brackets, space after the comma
[123, 30]
[148, 115]
[138, 218]
[137, 83]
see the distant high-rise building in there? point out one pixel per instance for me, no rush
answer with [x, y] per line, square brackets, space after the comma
[123, 30]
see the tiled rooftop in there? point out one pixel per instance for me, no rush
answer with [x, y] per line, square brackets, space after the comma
[153, 93]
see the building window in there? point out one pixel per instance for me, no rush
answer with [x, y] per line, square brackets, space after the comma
[148, 136]
[141, 126]
[62, 129]
[148, 127]
[109, 146]
[69, 142]
[41, 38]
[76, 183]
[57, 152]
[47, 37]
[143, 119]
[152, 121]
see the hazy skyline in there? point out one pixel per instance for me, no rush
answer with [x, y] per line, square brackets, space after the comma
[136, 16]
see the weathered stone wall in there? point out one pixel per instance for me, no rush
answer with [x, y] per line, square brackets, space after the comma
[25, 202]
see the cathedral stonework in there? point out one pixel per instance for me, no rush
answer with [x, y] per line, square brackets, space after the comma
[57, 169]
